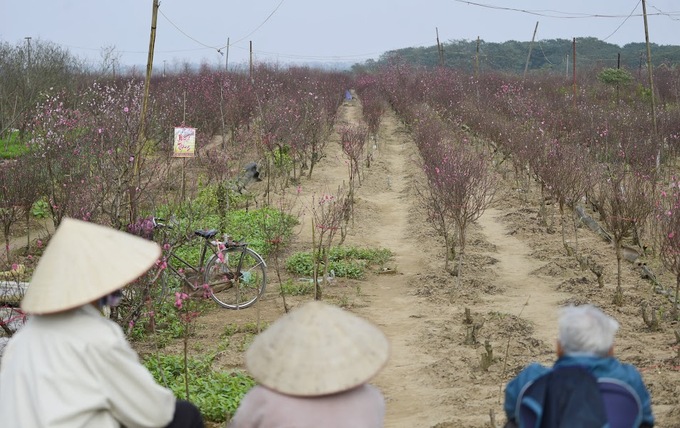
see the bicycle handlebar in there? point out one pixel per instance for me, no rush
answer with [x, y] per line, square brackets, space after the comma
[160, 222]
[226, 239]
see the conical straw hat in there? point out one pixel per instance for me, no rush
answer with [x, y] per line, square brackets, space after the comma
[83, 262]
[317, 349]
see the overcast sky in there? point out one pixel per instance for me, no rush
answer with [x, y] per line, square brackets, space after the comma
[319, 30]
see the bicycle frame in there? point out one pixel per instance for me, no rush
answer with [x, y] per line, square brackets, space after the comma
[196, 272]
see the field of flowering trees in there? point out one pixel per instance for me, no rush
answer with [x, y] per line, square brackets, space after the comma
[586, 158]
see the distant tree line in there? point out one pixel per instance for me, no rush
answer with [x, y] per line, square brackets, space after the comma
[551, 55]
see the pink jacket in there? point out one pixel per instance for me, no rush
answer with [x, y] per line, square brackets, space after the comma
[360, 407]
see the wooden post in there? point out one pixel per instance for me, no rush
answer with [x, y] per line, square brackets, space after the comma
[184, 160]
[573, 54]
[531, 45]
[251, 59]
[650, 74]
[226, 61]
[618, 67]
[141, 138]
[440, 53]
[477, 60]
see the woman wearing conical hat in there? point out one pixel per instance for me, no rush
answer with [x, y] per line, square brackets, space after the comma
[312, 367]
[69, 366]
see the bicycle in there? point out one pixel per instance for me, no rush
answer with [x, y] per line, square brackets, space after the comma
[234, 275]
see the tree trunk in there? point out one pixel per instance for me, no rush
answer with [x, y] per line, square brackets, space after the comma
[675, 302]
[618, 294]
[461, 255]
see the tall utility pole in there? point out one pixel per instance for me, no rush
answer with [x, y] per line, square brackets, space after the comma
[251, 60]
[28, 50]
[649, 72]
[531, 45]
[226, 60]
[573, 61]
[141, 137]
[28, 54]
[477, 60]
[440, 51]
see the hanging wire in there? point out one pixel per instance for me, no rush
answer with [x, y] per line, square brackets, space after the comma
[219, 48]
[549, 13]
[256, 28]
[624, 21]
[184, 33]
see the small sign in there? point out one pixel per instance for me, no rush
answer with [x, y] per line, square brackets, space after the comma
[184, 144]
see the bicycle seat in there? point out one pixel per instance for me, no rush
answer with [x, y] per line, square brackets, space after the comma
[207, 234]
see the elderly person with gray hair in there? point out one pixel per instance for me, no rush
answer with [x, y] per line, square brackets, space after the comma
[585, 340]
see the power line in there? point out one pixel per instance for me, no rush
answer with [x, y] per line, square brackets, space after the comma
[184, 33]
[668, 14]
[549, 13]
[219, 48]
[258, 27]
[624, 21]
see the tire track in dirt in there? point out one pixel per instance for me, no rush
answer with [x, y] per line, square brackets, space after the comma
[385, 202]
[530, 296]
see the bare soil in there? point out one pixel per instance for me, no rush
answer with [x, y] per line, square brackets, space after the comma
[516, 276]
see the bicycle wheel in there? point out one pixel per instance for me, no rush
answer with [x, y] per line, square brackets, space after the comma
[237, 277]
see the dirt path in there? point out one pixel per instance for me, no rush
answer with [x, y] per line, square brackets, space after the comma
[40, 229]
[526, 294]
[388, 217]
[391, 303]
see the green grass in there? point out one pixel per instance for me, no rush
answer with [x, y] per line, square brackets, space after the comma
[11, 147]
[297, 287]
[216, 393]
[347, 262]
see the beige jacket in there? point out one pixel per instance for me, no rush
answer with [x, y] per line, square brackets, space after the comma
[361, 407]
[75, 369]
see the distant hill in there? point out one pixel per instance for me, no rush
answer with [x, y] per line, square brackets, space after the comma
[552, 54]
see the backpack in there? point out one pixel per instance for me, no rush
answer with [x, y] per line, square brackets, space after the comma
[562, 398]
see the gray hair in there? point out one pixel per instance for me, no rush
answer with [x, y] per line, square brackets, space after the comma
[586, 329]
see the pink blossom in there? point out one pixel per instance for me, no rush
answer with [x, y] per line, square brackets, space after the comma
[179, 299]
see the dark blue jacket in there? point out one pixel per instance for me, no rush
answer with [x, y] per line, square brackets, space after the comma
[597, 366]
